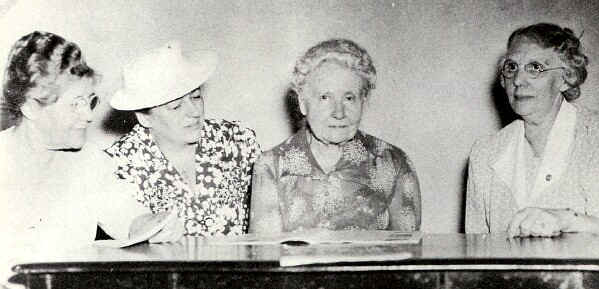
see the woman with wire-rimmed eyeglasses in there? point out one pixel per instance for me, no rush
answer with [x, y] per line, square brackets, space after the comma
[536, 176]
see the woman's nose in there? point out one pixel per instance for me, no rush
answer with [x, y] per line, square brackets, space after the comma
[88, 114]
[520, 77]
[339, 110]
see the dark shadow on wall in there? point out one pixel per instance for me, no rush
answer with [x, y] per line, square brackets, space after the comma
[296, 119]
[464, 174]
[118, 122]
[504, 110]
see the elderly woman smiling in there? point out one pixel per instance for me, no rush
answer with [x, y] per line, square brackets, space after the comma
[538, 175]
[53, 192]
[330, 175]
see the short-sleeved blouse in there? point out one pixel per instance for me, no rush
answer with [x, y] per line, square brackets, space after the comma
[224, 156]
[355, 195]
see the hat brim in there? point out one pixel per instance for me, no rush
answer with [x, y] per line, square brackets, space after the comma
[190, 76]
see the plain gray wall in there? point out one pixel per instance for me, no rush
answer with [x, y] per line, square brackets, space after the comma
[435, 61]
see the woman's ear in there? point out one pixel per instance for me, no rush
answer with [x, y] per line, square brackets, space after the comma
[302, 102]
[143, 119]
[31, 109]
[499, 69]
[569, 76]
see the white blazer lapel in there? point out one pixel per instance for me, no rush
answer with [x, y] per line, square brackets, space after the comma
[508, 168]
[557, 150]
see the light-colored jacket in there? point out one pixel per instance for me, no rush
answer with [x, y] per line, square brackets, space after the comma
[491, 199]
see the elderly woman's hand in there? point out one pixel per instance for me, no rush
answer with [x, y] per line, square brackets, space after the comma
[538, 222]
[172, 231]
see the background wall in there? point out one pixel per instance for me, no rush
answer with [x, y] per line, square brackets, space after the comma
[436, 90]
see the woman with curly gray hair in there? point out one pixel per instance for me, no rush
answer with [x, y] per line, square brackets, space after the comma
[52, 192]
[330, 175]
[536, 177]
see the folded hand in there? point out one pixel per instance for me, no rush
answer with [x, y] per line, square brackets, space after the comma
[536, 222]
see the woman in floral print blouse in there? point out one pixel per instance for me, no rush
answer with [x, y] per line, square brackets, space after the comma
[330, 175]
[176, 157]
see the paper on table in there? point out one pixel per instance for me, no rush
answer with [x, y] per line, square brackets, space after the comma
[320, 236]
[340, 253]
[142, 236]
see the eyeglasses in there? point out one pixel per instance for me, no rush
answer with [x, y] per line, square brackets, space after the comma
[83, 102]
[534, 69]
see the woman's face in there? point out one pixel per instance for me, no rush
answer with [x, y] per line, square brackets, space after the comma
[67, 119]
[332, 101]
[179, 121]
[538, 97]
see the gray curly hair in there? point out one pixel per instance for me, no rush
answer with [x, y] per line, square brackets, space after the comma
[566, 44]
[34, 63]
[345, 51]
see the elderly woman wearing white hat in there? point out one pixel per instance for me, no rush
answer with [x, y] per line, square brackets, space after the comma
[176, 157]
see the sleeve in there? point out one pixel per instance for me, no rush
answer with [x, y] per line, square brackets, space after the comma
[475, 219]
[116, 203]
[250, 148]
[405, 207]
[245, 141]
[265, 215]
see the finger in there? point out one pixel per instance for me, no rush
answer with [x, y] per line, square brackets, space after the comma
[514, 226]
[539, 229]
[175, 232]
[156, 238]
[167, 235]
[526, 226]
[159, 237]
[542, 223]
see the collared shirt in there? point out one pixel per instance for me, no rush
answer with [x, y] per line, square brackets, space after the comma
[516, 165]
[224, 157]
[566, 175]
[291, 190]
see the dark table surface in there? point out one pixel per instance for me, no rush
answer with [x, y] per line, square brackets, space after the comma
[435, 252]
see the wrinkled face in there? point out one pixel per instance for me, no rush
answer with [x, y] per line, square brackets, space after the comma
[534, 97]
[332, 101]
[67, 119]
[179, 121]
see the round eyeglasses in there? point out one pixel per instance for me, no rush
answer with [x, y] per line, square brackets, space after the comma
[89, 102]
[533, 69]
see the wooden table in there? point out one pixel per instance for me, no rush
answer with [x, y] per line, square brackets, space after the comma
[440, 261]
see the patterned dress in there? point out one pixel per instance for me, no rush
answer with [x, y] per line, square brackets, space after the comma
[291, 192]
[224, 158]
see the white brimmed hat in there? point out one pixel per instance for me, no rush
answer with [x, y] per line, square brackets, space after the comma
[162, 75]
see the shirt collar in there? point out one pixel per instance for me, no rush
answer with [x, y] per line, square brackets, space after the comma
[511, 164]
[355, 151]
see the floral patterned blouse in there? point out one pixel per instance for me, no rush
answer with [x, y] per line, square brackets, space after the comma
[373, 186]
[224, 158]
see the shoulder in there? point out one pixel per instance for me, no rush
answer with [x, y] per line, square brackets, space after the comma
[386, 150]
[9, 157]
[489, 146]
[293, 142]
[128, 142]
[587, 133]
[7, 140]
[228, 129]
[587, 119]
[233, 135]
